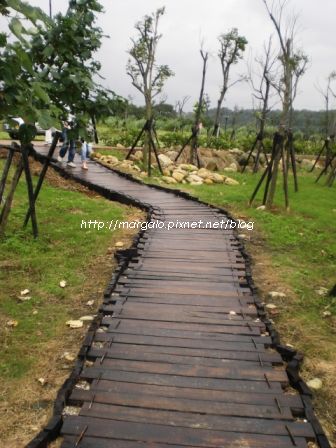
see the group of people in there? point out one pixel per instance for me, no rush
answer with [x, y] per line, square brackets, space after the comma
[69, 145]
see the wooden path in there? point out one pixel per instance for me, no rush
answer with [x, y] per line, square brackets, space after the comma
[182, 356]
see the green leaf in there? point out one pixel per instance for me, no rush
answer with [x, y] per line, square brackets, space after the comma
[16, 27]
[40, 92]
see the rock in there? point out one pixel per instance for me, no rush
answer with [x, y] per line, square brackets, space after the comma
[136, 168]
[172, 155]
[196, 183]
[210, 164]
[261, 207]
[315, 384]
[112, 159]
[12, 323]
[87, 318]
[68, 357]
[194, 178]
[271, 306]
[24, 292]
[321, 291]
[62, 283]
[166, 172]
[24, 298]
[42, 381]
[90, 302]
[119, 244]
[326, 314]
[178, 175]
[120, 146]
[138, 155]
[75, 323]
[232, 168]
[143, 174]
[307, 164]
[216, 178]
[230, 181]
[208, 181]
[276, 295]
[203, 173]
[169, 180]
[236, 151]
[188, 167]
[165, 161]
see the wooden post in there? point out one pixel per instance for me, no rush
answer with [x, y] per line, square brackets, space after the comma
[25, 149]
[43, 173]
[5, 172]
[8, 203]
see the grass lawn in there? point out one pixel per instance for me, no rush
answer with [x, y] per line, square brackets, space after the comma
[83, 258]
[293, 252]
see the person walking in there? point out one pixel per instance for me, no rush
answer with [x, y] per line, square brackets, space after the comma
[85, 153]
[69, 145]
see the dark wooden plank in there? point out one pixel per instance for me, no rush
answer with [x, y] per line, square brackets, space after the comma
[245, 372]
[254, 356]
[194, 420]
[112, 429]
[213, 407]
[286, 400]
[182, 381]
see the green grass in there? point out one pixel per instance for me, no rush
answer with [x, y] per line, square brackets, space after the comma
[62, 251]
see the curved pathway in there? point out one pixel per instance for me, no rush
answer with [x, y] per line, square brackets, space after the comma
[182, 354]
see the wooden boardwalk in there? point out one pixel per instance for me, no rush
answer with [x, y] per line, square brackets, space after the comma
[181, 357]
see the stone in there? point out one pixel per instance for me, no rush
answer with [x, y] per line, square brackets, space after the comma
[169, 180]
[138, 155]
[62, 283]
[208, 181]
[86, 318]
[112, 159]
[24, 292]
[75, 323]
[178, 175]
[90, 302]
[120, 146]
[230, 181]
[195, 183]
[261, 207]
[165, 161]
[172, 155]
[276, 295]
[230, 170]
[119, 244]
[203, 173]
[210, 164]
[236, 151]
[326, 314]
[188, 167]
[321, 291]
[194, 178]
[271, 306]
[315, 384]
[216, 178]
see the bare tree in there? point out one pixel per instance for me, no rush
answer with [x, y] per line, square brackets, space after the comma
[179, 105]
[199, 110]
[232, 47]
[326, 92]
[146, 76]
[261, 83]
[293, 64]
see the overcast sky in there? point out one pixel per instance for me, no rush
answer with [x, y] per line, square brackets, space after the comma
[187, 22]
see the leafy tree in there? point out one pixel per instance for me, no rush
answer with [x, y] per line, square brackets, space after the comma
[232, 47]
[49, 68]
